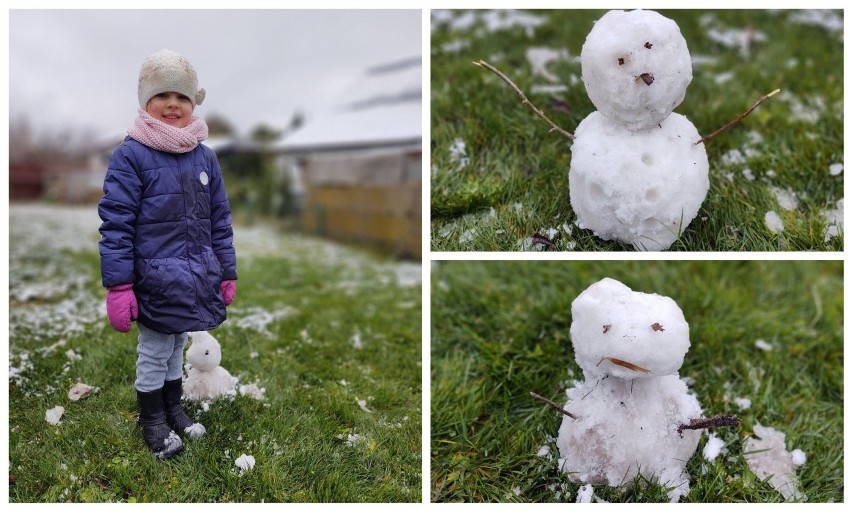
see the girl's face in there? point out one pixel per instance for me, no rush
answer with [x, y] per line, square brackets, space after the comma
[172, 108]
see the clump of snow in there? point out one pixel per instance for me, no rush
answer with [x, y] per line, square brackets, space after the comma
[824, 18]
[584, 494]
[773, 222]
[713, 447]
[834, 219]
[355, 439]
[197, 430]
[245, 463]
[767, 457]
[80, 391]
[539, 58]
[743, 403]
[54, 415]
[799, 457]
[355, 340]
[742, 39]
[835, 169]
[786, 198]
[630, 346]
[458, 153]
[544, 450]
[762, 345]
[362, 404]
[624, 45]
[252, 390]
[257, 319]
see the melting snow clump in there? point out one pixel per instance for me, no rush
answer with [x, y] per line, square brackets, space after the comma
[773, 222]
[713, 447]
[762, 345]
[630, 346]
[799, 457]
[80, 391]
[252, 390]
[584, 494]
[767, 456]
[54, 415]
[245, 462]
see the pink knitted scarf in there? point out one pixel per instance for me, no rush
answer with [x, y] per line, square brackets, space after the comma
[160, 136]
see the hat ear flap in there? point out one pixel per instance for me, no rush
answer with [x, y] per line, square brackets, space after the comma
[199, 96]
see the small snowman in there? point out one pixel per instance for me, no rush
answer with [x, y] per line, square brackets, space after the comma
[637, 173]
[632, 415]
[206, 380]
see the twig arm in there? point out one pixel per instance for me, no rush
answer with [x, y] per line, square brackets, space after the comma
[551, 403]
[713, 422]
[739, 117]
[523, 97]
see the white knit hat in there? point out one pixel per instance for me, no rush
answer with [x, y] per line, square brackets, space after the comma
[168, 71]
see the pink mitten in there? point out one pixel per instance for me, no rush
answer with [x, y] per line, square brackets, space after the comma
[229, 290]
[121, 306]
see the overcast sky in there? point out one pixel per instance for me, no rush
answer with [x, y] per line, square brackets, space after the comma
[79, 68]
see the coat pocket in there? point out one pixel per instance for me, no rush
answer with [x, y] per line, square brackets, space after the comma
[164, 281]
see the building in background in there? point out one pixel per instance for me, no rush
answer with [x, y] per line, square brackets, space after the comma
[357, 167]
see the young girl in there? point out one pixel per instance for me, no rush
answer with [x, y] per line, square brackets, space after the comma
[167, 254]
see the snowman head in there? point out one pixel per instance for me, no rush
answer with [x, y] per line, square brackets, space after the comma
[636, 67]
[626, 334]
[204, 353]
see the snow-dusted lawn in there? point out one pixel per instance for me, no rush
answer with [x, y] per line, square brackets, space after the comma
[328, 336]
[499, 176]
[766, 345]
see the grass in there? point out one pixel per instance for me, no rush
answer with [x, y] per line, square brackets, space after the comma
[513, 181]
[302, 306]
[501, 330]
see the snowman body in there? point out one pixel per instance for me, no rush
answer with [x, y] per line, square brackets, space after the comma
[637, 174]
[628, 409]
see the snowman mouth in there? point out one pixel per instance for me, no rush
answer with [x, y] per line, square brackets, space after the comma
[625, 364]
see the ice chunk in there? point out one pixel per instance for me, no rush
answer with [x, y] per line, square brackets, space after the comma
[799, 457]
[767, 457]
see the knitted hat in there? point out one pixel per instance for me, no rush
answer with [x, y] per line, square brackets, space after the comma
[168, 71]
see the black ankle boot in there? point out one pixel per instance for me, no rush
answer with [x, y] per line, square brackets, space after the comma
[175, 416]
[156, 432]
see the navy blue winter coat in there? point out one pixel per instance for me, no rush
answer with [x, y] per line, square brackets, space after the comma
[167, 230]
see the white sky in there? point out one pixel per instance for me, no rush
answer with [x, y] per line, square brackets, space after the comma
[79, 68]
